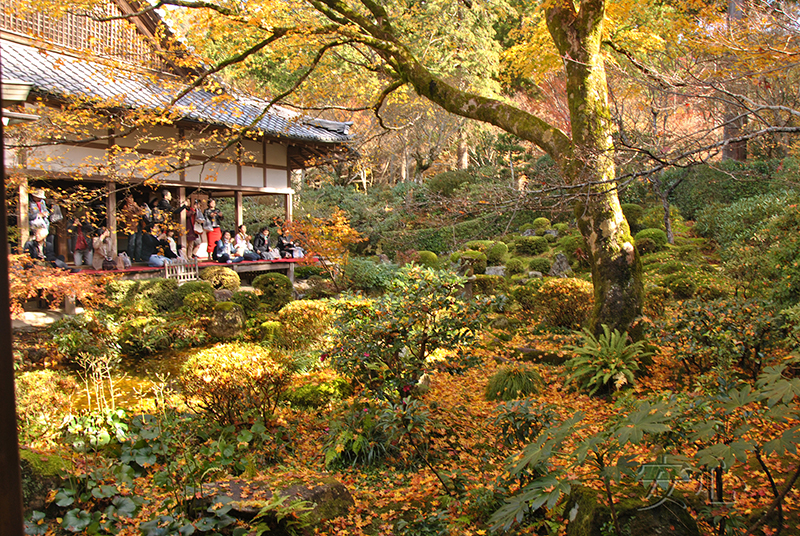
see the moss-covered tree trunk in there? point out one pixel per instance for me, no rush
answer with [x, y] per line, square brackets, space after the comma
[616, 270]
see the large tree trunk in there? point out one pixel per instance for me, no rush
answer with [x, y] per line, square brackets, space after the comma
[616, 269]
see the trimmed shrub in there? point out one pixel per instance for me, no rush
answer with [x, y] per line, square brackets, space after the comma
[474, 258]
[565, 302]
[446, 183]
[221, 277]
[144, 295]
[511, 382]
[570, 246]
[540, 264]
[200, 303]
[525, 295]
[530, 246]
[317, 389]
[490, 284]
[308, 270]
[562, 228]
[429, 259]
[633, 214]
[194, 286]
[495, 253]
[478, 245]
[276, 290]
[540, 225]
[368, 275]
[646, 245]
[658, 237]
[234, 383]
[248, 300]
[515, 266]
[304, 322]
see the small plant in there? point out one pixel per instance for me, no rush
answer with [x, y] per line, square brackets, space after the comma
[276, 290]
[658, 237]
[248, 300]
[512, 382]
[521, 422]
[221, 277]
[603, 361]
[231, 382]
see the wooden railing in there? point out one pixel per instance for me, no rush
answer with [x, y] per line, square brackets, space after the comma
[183, 271]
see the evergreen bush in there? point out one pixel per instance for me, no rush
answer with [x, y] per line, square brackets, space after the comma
[429, 259]
[474, 258]
[200, 303]
[317, 389]
[633, 215]
[564, 302]
[276, 290]
[368, 275]
[194, 286]
[515, 266]
[235, 383]
[478, 245]
[512, 382]
[530, 246]
[540, 225]
[446, 183]
[304, 322]
[496, 253]
[658, 237]
[249, 301]
[221, 277]
[146, 295]
[306, 271]
[540, 264]
[561, 228]
[490, 284]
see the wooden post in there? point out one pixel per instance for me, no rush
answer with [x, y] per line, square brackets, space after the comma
[288, 208]
[22, 220]
[238, 199]
[182, 236]
[111, 214]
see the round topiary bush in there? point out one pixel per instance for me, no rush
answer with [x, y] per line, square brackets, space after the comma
[474, 258]
[233, 383]
[194, 286]
[529, 246]
[200, 302]
[515, 266]
[565, 302]
[221, 277]
[540, 225]
[478, 245]
[490, 284]
[276, 290]
[495, 253]
[540, 264]
[646, 246]
[658, 237]
[512, 382]
[248, 300]
[429, 259]
[561, 228]
[272, 332]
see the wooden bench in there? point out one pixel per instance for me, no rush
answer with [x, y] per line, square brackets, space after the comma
[183, 271]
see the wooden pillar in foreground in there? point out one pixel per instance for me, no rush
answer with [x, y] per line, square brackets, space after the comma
[289, 203]
[238, 202]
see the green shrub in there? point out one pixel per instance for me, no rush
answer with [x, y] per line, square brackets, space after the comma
[540, 264]
[496, 253]
[221, 277]
[145, 335]
[89, 333]
[144, 295]
[194, 286]
[530, 246]
[490, 284]
[633, 214]
[562, 228]
[540, 225]
[446, 183]
[369, 276]
[658, 236]
[564, 302]
[605, 361]
[429, 259]
[681, 285]
[43, 398]
[520, 422]
[478, 245]
[272, 332]
[514, 381]
[200, 303]
[233, 383]
[356, 435]
[304, 322]
[476, 259]
[317, 389]
[570, 245]
[319, 287]
[248, 300]
[308, 270]
[515, 266]
[276, 290]
[646, 245]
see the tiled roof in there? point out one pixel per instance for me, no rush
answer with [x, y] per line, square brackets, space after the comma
[60, 74]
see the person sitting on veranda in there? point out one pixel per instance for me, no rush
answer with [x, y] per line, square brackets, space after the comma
[261, 245]
[225, 251]
[288, 249]
[41, 249]
[156, 251]
[104, 257]
[243, 246]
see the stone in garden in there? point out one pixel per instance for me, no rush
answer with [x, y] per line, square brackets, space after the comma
[329, 497]
[228, 320]
[560, 267]
[223, 295]
[535, 275]
[528, 232]
[384, 259]
[551, 232]
[40, 473]
[496, 270]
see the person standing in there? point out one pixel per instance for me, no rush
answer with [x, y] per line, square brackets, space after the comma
[213, 219]
[81, 242]
[38, 213]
